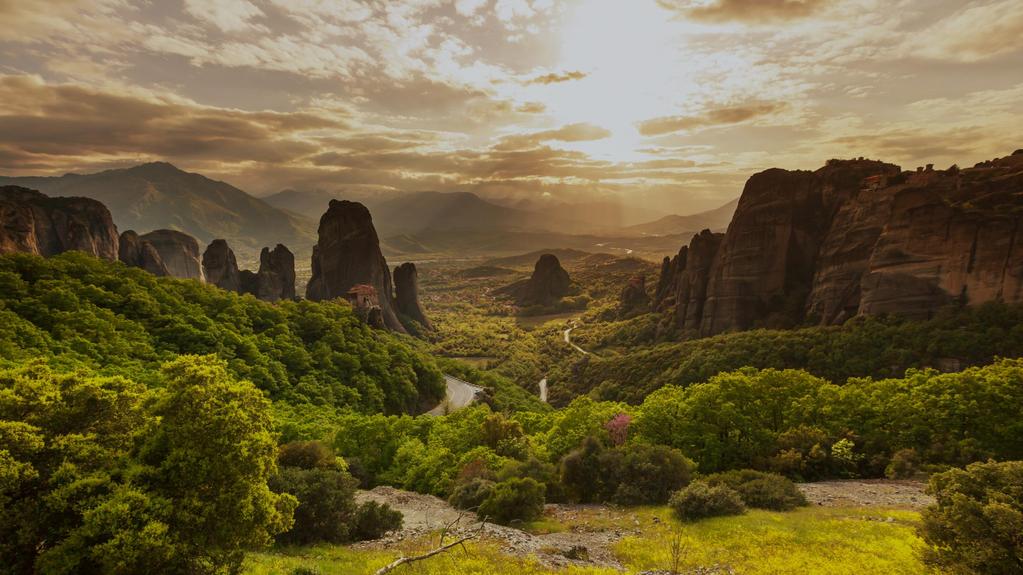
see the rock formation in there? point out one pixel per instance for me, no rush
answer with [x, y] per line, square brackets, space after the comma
[406, 298]
[348, 254]
[138, 253]
[35, 223]
[856, 237]
[548, 284]
[179, 252]
[221, 267]
[275, 279]
[633, 298]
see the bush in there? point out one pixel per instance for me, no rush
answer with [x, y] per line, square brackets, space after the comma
[581, 473]
[761, 490]
[904, 464]
[326, 504]
[541, 471]
[700, 500]
[306, 455]
[629, 475]
[471, 494]
[373, 520]
[512, 501]
[976, 522]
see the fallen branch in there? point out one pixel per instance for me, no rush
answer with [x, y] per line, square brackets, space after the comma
[443, 547]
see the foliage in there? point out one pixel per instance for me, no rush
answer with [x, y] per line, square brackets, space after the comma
[471, 494]
[975, 526]
[633, 475]
[878, 347]
[326, 504]
[100, 475]
[512, 501]
[761, 490]
[76, 310]
[700, 501]
[904, 464]
[373, 520]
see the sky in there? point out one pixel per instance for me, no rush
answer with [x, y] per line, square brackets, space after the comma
[668, 104]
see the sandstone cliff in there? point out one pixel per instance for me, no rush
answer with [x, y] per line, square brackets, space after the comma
[221, 267]
[35, 223]
[854, 237]
[348, 254]
[179, 252]
[138, 253]
[633, 299]
[406, 294]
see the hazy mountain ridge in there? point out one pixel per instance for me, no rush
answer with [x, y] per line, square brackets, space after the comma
[714, 220]
[158, 195]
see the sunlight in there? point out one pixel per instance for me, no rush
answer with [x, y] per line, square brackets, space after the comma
[630, 53]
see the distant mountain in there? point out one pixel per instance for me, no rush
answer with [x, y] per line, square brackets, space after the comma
[159, 195]
[422, 211]
[714, 220]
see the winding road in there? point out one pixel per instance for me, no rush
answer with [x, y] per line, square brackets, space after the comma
[460, 394]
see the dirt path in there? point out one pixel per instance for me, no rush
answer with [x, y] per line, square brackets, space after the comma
[902, 494]
[583, 545]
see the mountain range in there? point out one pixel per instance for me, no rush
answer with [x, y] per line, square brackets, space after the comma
[159, 195]
[713, 220]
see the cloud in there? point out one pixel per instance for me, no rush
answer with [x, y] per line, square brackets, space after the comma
[748, 11]
[976, 32]
[227, 15]
[581, 132]
[714, 117]
[555, 78]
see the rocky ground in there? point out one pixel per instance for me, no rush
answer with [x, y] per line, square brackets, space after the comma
[899, 494]
[594, 529]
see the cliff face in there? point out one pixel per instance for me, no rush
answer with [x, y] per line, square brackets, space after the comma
[406, 294]
[138, 253]
[221, 267]
[275, 279]
[179, 252]
[35, 223]
[854, 237]
[348, 254]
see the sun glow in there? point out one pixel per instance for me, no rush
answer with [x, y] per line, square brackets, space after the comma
[630, 54]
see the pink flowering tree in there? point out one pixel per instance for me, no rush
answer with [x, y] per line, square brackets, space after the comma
[618, 428]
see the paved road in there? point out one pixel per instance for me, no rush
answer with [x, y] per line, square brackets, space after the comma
[460, 394]
[568, 340]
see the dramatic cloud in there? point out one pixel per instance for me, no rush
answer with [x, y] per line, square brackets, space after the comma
[743, 10]
[672, 103]
[712, 117]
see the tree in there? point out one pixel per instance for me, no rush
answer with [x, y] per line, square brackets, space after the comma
[976, 523]
[512, 501]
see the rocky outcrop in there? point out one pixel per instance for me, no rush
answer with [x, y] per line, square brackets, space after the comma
[406, 295]
[275, 279]
[138, 253]
[633, 299]
[856, 237]
[179, 252]
[348, 254]
[35, 223]
[548, 284]
[221, 267]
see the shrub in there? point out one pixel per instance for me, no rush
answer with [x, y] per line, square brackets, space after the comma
[645, 474]
[581, 473]
[326, 504]
[700, 500]
[513, 500]
[761, 490]
[904, 464]
[306, 455]
[373, 520]
[471, 494]
[541, 471]
[975, 524]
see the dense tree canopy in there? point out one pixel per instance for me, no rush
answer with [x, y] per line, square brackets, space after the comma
[80, 311]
